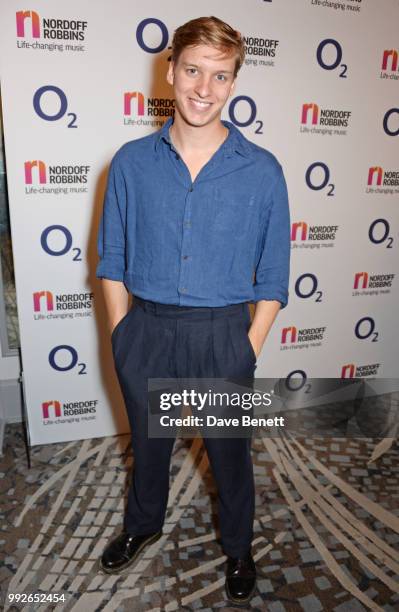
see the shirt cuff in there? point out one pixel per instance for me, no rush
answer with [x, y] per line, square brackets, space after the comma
[108, 269]
[265, 292]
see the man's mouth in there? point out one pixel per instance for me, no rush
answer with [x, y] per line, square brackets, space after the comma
[200, 103]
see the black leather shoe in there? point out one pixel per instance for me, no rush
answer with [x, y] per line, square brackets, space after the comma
[121, 552]
[240, 579]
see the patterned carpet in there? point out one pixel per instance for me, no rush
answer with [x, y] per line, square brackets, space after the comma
[326, 535]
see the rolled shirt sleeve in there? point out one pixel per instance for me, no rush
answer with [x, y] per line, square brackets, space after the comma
[272, 270]
[111, 233]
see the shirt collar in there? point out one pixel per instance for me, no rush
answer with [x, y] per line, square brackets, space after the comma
[234, 143]
[163, 134]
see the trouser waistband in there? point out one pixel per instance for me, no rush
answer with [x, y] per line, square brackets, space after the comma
[190, 312]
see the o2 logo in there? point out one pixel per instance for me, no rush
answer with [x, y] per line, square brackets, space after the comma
[152, 21]
[387, 123]
[379, 233]
[296, 380]
[63, 105]
[243, 101]
[51, 235]
[304, 291]
[365, 328]
[330, 42]
[64, 358]
[325, 179]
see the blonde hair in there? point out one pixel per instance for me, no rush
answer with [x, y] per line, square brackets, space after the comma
[209, 31]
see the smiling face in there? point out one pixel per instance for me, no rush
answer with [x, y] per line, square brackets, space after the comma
[202, 79]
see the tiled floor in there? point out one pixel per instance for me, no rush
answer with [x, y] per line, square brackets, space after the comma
[326, 534]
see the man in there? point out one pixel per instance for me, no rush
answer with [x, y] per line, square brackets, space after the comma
[195, 225]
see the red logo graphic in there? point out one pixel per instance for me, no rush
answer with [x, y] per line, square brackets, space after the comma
[391, 54]
[37, 298]
[375, 172]
[55, 404]
[40, 170]
[348, 370]
[21, 16]
[288, 330]
[303, 227]
[361, 278]
[305, 113]
[127, 102]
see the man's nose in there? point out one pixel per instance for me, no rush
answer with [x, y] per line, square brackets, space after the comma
[203, 86]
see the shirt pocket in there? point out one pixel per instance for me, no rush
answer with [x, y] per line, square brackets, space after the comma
[234, 212]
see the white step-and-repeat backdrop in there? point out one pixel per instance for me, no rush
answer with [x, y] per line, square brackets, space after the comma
[319, 88]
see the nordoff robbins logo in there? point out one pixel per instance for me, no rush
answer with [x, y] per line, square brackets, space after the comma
[313, 114]
[364, 280]
[262, 51]
[293, 337]
[382, 181]
[350, 370]
[49, 34]
[372, 284]
[29, 24]
[390, 65]
[55, 412]
[317, 120]
[306, 235]
[48, 305]
[38, 175]
[136, 105]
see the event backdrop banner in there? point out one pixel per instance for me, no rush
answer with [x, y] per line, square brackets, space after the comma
[319, 88]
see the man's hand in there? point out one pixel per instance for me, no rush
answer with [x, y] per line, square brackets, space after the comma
[116, 299]
[265, 314]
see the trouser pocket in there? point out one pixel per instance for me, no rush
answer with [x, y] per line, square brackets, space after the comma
[118, 325]
[250, 347]
[243, 348]
[246, 326]
[243, 330]
[120, 329]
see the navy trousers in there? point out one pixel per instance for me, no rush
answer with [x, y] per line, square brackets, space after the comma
[166, 341]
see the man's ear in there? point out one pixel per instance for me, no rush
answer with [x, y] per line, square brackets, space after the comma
[171, 73]
[232, 87]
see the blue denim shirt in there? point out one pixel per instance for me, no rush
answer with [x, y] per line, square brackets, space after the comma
[222, 239]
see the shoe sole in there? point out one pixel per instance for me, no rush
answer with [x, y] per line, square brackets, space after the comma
[240, 602]
[133, 559]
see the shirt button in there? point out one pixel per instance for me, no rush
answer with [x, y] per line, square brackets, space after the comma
[191, 188]
[185, 256]
[183, 290]
[187, 224]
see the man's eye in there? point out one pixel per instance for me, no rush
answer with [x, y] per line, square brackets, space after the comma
[191, 70]
[221, 77]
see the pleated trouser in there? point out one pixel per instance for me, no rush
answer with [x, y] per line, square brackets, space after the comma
[166, 341]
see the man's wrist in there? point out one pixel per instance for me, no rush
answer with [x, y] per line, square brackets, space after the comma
[115, 320]
[256, 341]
